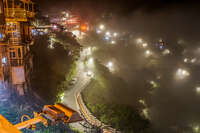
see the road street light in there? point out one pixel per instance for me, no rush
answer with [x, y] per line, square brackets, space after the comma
[147, 52]
[101, 27]
[107, 33]
[144, 45]
[113, 42]
[166, 52]
[182, 73]
[98, 31]
[90, 60]
[110, 66]
[198, 89]
[90, 74]
[107, 38]
[115, 34]
[139, 40]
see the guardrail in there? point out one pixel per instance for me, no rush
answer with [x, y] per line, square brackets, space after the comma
[92, 119]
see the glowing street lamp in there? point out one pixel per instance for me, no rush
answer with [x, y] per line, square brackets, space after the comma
[181, 73]
[107, 33]
[186, 60]
[107, 38]
[196, 129]
[101, 27]
[193, 60]
[110, 66]
[144, 45]
[98, 31]
[166, 52]
[115, 34]
[198, 89]
[113, 42]
[147, 52]
[90, 61]
[55, 27]
[90, 74]
[139, 40]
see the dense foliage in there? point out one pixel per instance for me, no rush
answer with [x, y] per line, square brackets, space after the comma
[53, 68]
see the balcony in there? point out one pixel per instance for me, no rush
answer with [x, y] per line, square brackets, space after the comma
[19, 14]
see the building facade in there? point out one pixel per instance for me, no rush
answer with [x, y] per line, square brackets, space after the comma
[15, 41]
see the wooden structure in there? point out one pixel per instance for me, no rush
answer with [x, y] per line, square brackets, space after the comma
[15, 40]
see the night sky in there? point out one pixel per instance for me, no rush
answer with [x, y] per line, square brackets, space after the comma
[120, 6]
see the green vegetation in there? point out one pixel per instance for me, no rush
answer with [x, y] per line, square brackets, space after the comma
[53, 68]
[65, 84]
[103, 100]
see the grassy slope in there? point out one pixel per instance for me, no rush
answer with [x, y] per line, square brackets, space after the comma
[108, 108]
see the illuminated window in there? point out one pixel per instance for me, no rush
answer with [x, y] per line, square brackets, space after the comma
[12, 55]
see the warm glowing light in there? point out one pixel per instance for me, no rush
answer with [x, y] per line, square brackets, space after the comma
[76, 32]
[107, 33]
[139, 40]
[110, 64]
[181, 73]
[193, 60]
[90, 74]
[54, 27]
[144, 45]
[90, 60]
[148, 52]
[196, 129]
[101, 27]
[186, 60]
[146, 113]
[113, 42]
[198, 89]
[83, 28]
[115, 34]
[166, 52]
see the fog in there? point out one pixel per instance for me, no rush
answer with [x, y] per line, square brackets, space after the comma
[173, 106]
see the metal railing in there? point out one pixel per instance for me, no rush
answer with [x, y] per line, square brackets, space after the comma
[92, 119]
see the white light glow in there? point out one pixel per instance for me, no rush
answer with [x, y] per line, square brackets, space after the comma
[186, 60]
[166, 52]
[193, 60]
[107, 33]
[148, 52]
[115, 34]
[110, 64]
[144, 45]
[98, 31]
[113, 42]
[107, 38]
[181, 73]
[139, 40]
[54, 27]
[90, 74]
[198, 89]
[90, 60]
[101, 27]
